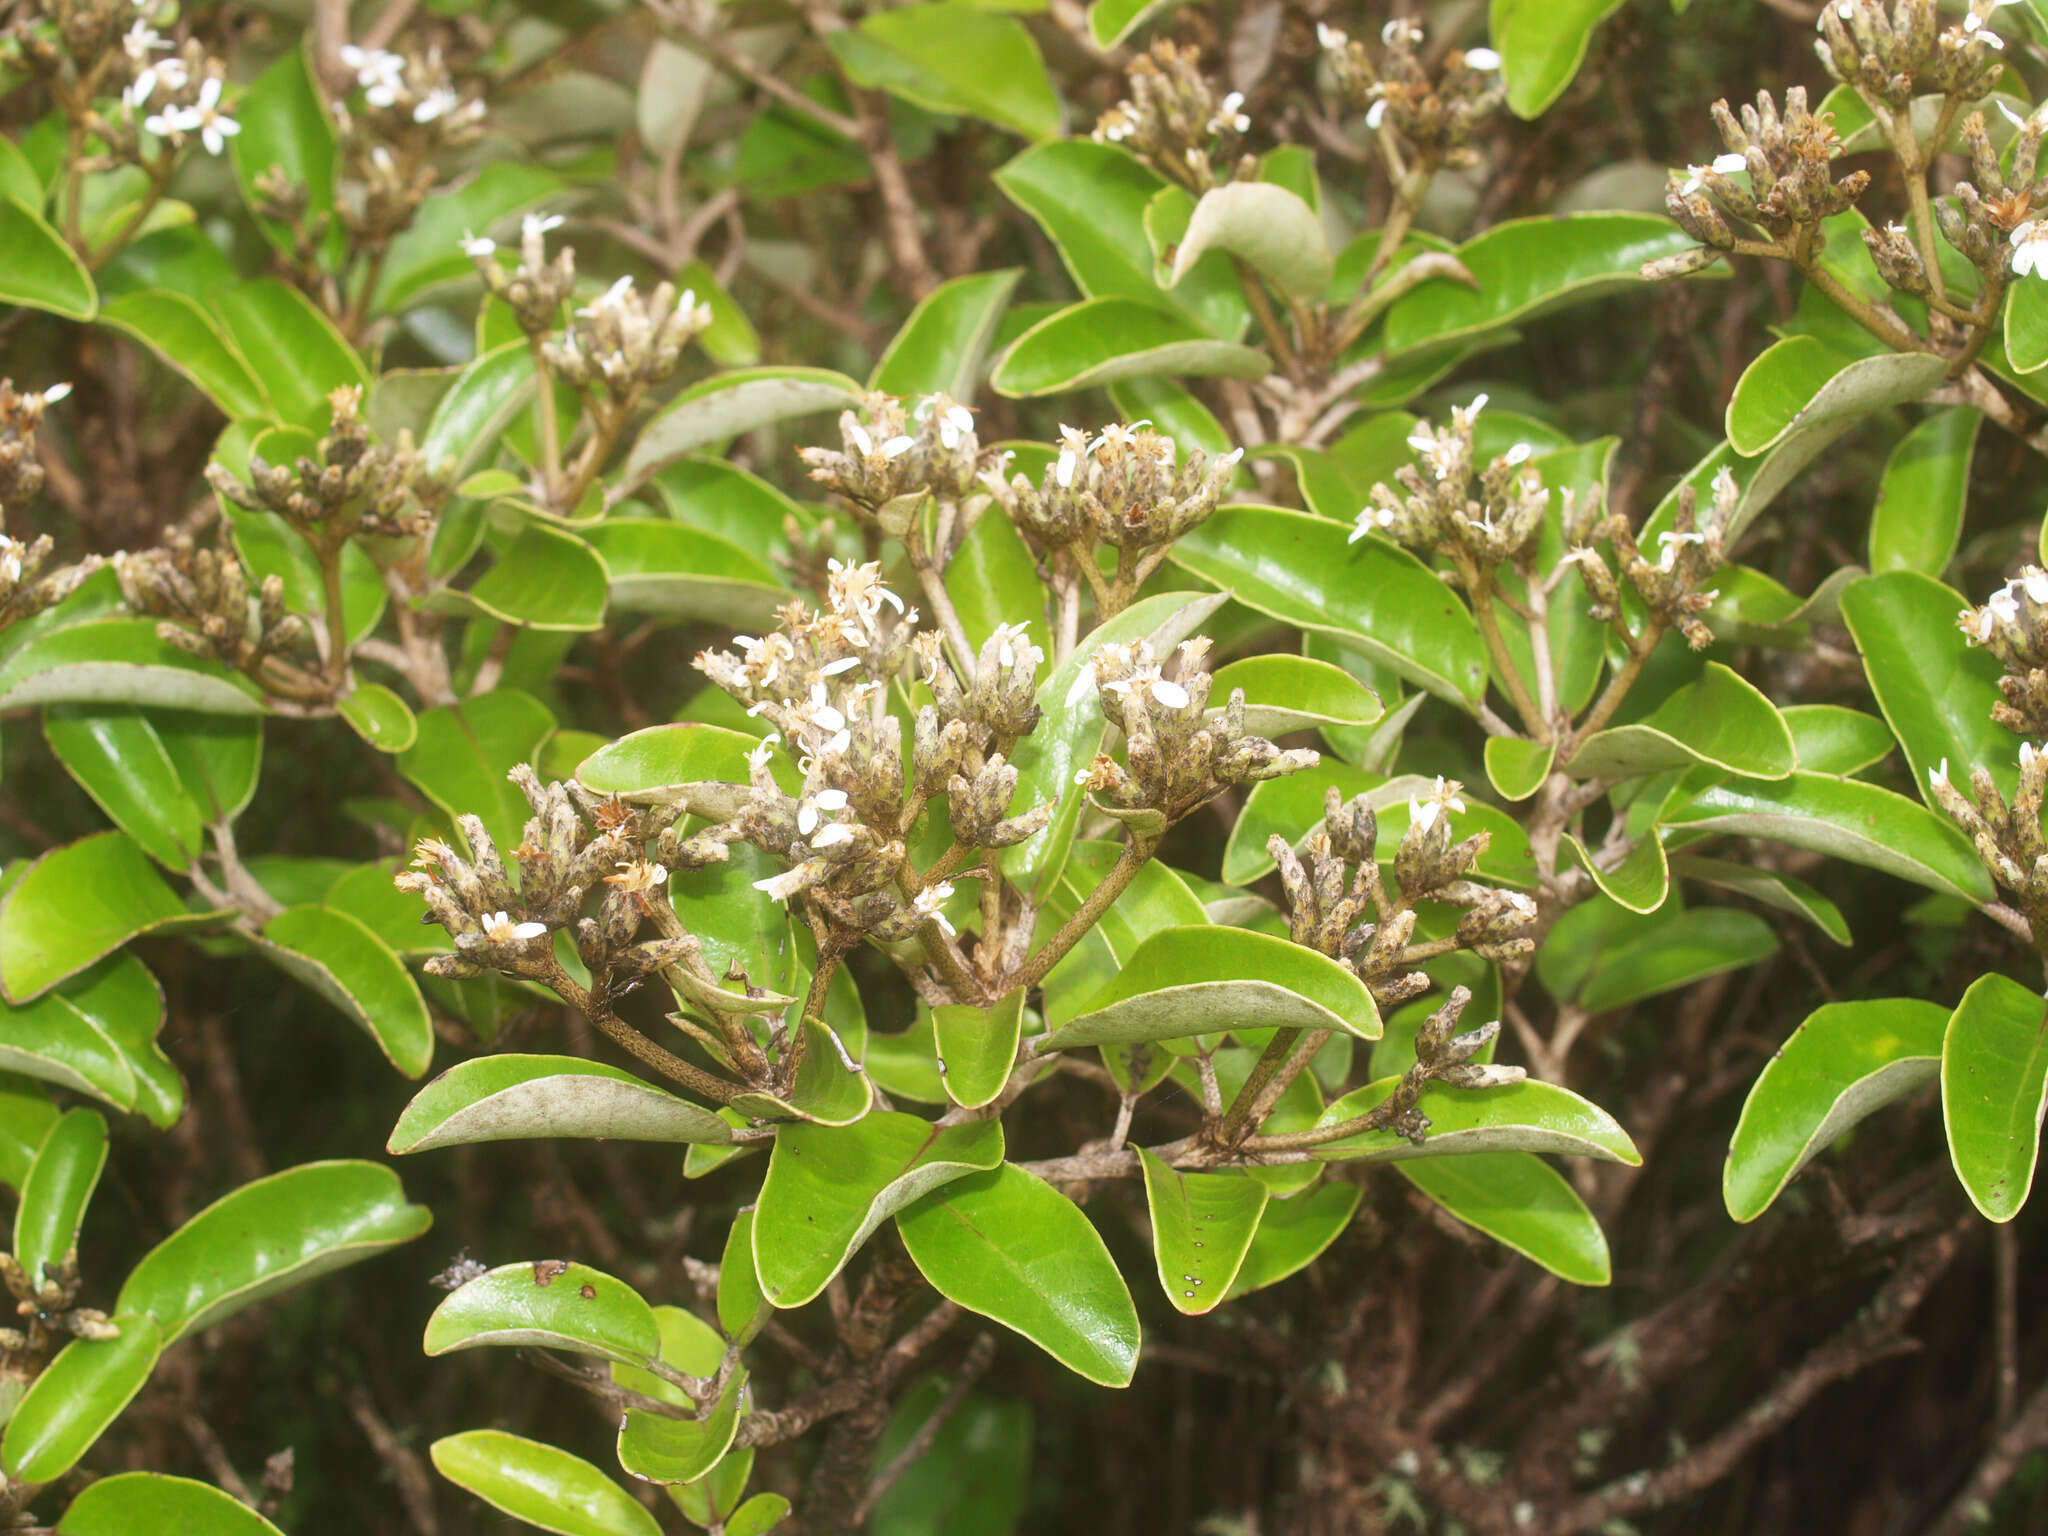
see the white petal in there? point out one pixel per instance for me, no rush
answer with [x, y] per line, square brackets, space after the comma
[1172, 695]
[529, 930]
[830, 799]
[1730, 163]
[806, 818]
[1482, 58]
[833, 836]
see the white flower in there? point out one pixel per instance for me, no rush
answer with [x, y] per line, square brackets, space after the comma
[1692, 182]
[1668, 545]
[1730, 163]
[2004, 605]
[1170, 694]
[438, 102]
[2033, 578]
[1973, 24]
[141, 40]
[2030, 248]
[1519, 454]
[1012, 641]
[843, 664]
[1329, 36]
[477, 247]
[785, 885]
[833, 835]
[1063, 470]
[204, 117]
[10, 559]
[824, 800]
[821, 713]
[930, 902]
[1370, 520]
[55, 393]
[1376, 114]
[1230, 116]
[956, 425]
[500, 929]
[1482, 58]
[1937, 778]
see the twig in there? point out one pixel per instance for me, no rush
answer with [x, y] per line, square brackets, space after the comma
[2023, 1435]
[979, 1354]
[415, 1488]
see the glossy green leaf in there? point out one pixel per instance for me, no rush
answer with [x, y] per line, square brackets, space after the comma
[512, 1097]
[1290, 693]
[717, 497]
[343, 961]
[428, 252]
[76, 904]
[1374, 597]
[829, 1187]
[1936, 690]
[667, 1451]
[545, 579]
[1801, 381]
[1835, 739]
[1523, 267]
[268, 1236]
[1844, 818]
[181, 332]
[759, 1515]
[1516, 766]
[293, 349]
[1529, 1116]
[698, 768]
[1639, 880]
[78, 1395]
[1012, 1248]
[119, 661]
[1771, 889]
[1722, 720]
[546, 1304]
[993, 580]
[1293, 1234]
[957, 59]
[59, 1185]
[540, 1485]
[1192, 981]
[1918, 518]
[379, 716]
[1994, 1088]
[905, 1065]
[1519, 1200]
[1111, 21]
[285, 130]
[830, 1088]
[117, 757]
[942, 346]
[674, 571]
[743, 1308]
[149, 1501]
[1268, 228]
[730, 340]
[41, 272]
[1202, 1226]
[1846, 1061]
[727, 404]
[1541, 44]
[977, 1047]
[2026, 327]
[1102, 341]
[26, 1115]
[1663, 958]
[464, 752]
[488, 395]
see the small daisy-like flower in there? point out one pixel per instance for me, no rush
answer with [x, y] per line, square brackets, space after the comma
[1230, 116]
[1012, 641]
[636, 877]
[536, 225]
[141, 40]
[785, 885]
[956, 425]
[930, 903]
[1668, 546]
[1973, 24]
[438, 102]
[500, 929]
[2030, 248]
[833, 800]
[2004, 605]
[1370, 520]
[1423, 813]
[203, 117]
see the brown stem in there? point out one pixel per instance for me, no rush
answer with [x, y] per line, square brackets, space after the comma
[1099, 901]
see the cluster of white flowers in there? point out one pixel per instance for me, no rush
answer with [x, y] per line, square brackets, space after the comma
[204, 117]
[1422, 814]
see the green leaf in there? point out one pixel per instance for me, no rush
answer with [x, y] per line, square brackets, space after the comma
[295, 352]
[76, 904]
[462, 756]
[1771, 889]
[942, 346]
[1844, 818]
[764, 1511]
[540, 1485]
[1090, 200]
[284, 126]
[18, 178]
[905, 1065]
[379, 716]
[181, 332]
[727, 404]
[487, 396]
[730, 340]
[77, 1396]
[1111, 21]
[1721, 720]
[1935, 689]
[1202, 1227]
[342, 960]
[956, 59]
[117, 757]
[1072, 727]
[977, 1047]
[993, 580]
[668, 1451]
[546, 1304]
[1528, 1116]
[2026, 327]
[1192, 981]
[830, 1089]
[829, 1187]
[1517, 1199]
[1541, 45]
[150, 1501]
[677, 572]
[1800, 382]
[41, 271]
[1375, 597]
[1104, 340]
[1289, 693]
[1918, 517]
[973, 1475]
[1293, 1234]
[1833, 739]
[546, 579]
[1265, 226]
[119, 661]
[743, 1310]
[722, 498]
[1524, 267]
[1516, 767]
[59, 1185]
[428, 251]
[1994, 1087]
[268, 1236]
[1012, 1248]
[1844, 1062]
[701, 769]
[1639, 880]
[1666, 956]
[26, 1115]
[511, 1097]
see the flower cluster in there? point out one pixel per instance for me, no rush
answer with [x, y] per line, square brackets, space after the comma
[1433, 117]
[1787, 158]
[623, 342]
[1893, 56]
[2013, 625]
[405, 111]
[537, 287]
[2007, 837]
[963, 739]
[21, 416]
[1673, 586]
[201, 596]
[902, 453]
[1479, 525]
[1179, 754]
[1175, 120]
[48, 1305]
[354, 487]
